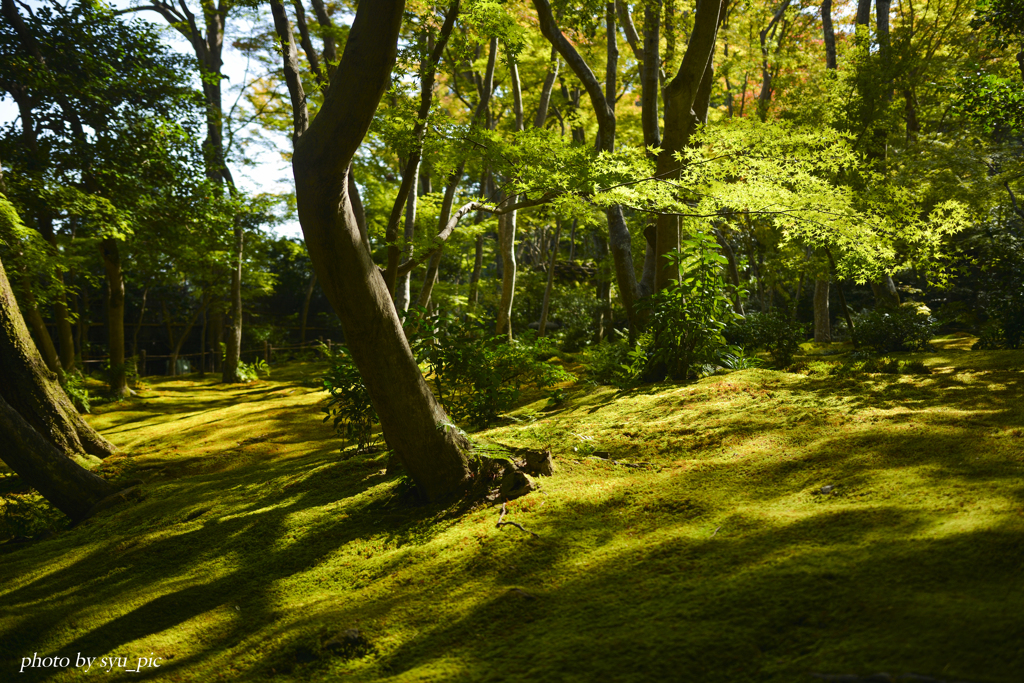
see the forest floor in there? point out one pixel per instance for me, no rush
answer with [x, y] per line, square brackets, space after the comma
[259, 548]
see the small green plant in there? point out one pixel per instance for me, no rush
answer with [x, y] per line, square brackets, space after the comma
[74, 387]
[250, 372]
[477, 376]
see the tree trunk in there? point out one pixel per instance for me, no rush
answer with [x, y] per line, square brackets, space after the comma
[414, 424]
[543, 331]
[42, 335]
[69, 487]
[305, 306]
[183, 337]
[507, 241]
[234, 329]
[886, 295]
[32, 390]
[409, 234]
[822, 321]
[115, 317]
[478, 265]
[138, 325]
[829, 34]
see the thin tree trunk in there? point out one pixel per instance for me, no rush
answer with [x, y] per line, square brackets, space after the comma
[138, 325]
[506, 241]
[115, 317]
[409, 234]
[176, 351]
[42, 335]
[829, 34]
[822, 321]
[233, 339]
[543, 331]
[305, 306]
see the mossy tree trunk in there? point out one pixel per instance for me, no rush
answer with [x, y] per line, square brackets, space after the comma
[29, 388]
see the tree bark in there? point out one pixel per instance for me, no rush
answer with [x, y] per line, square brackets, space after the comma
[507, 241]
[115, 317]
[233, 341]
[32, 390]
[618, 234]
[408, 234]
[414, 424]
[305, 306]
[829, 34]
[886, 295]
[543, 331]
[68, 486]
[822, 321]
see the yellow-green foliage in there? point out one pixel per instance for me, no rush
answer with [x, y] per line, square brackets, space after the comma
[720, 561]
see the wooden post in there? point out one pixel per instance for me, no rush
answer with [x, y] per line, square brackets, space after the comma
[266, 350]
[142, 363]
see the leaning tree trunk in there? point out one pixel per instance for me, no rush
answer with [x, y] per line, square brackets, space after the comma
[414, 424]
[233, 341]
[886, 295]
[115, 317]
[32, 390]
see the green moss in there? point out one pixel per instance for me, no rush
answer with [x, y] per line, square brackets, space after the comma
[718, 559]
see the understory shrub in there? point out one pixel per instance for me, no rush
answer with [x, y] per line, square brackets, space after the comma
[250, 372]
[684, 336]
[604, 362]
[74, 387]
[774, 332]
[349, 404]
[906, 328]
[1005, 326]
[476, 376]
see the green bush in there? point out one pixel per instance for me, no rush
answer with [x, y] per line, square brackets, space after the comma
[906, 328]
[684, 335]
[1005, 326]
[250, 372]
[774, 332]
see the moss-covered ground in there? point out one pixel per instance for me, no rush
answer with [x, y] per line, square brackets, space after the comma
[258, 542]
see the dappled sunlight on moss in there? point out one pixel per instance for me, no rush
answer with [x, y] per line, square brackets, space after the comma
[717, 559]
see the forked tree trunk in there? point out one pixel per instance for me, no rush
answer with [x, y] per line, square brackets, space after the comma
[686, 105]
[414, 424]
[115, 317]
[32, 390]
